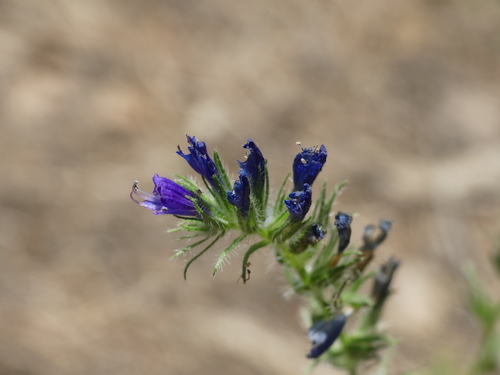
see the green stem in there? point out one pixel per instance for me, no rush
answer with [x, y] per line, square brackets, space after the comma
[353, 368]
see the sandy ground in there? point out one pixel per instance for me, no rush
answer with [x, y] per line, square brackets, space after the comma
[95, 94]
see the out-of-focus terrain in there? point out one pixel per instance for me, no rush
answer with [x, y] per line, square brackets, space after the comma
[95, 94]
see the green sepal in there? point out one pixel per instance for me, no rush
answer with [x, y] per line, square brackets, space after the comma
[355, 300]
[279, 206]
[260, 195]
[365, 345]
[187, 248]
[188, 184]
[322, 210]
[324, 274]
[222, 171]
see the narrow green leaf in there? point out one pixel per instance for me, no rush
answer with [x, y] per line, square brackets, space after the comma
[320, 202]
[250, 251]
[187, 248]
[200, 254]
[226, 252]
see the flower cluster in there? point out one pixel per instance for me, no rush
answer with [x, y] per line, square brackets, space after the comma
[312, 248]
[245, 207]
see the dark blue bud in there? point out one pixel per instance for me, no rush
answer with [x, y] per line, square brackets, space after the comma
[199, 160]
[299, 203]
[370, 241]
[240, 196]
[343, 223]
[323, 333]
[307, 165]
[254, 166]
[315, 234]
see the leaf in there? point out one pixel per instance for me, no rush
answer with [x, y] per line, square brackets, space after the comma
[226, 252]
[200, 254]
[182, 251]
[249, 252]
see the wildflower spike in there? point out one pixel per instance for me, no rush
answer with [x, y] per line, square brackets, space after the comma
[307, 165]
[168, 197]
[199, 160]
[309, 244]
[299, 203]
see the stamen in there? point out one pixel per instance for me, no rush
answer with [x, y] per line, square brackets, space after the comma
[139, 193]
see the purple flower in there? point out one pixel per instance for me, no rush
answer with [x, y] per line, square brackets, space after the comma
[299, 203]
[240, 196]
[168, 197]
[343, 224]
[199, 159]
[323, 333]
[254, 168]
[307, 165]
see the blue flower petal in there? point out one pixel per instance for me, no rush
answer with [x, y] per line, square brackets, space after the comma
[307, 165]
[254, 167]
[199, 160]
[168, 197]
[299, 203]
[323, 334]
[240, 196]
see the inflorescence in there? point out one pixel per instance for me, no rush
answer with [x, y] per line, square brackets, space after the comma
[312, 248]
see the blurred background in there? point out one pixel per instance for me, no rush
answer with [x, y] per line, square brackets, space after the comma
[96, 94]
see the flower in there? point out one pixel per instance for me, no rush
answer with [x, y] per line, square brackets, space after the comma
[254, 167]
[199, 159]
[240, 196]
[307, 165]
[343, 224]
[168, 197]
[323, 333]
[299, 203]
